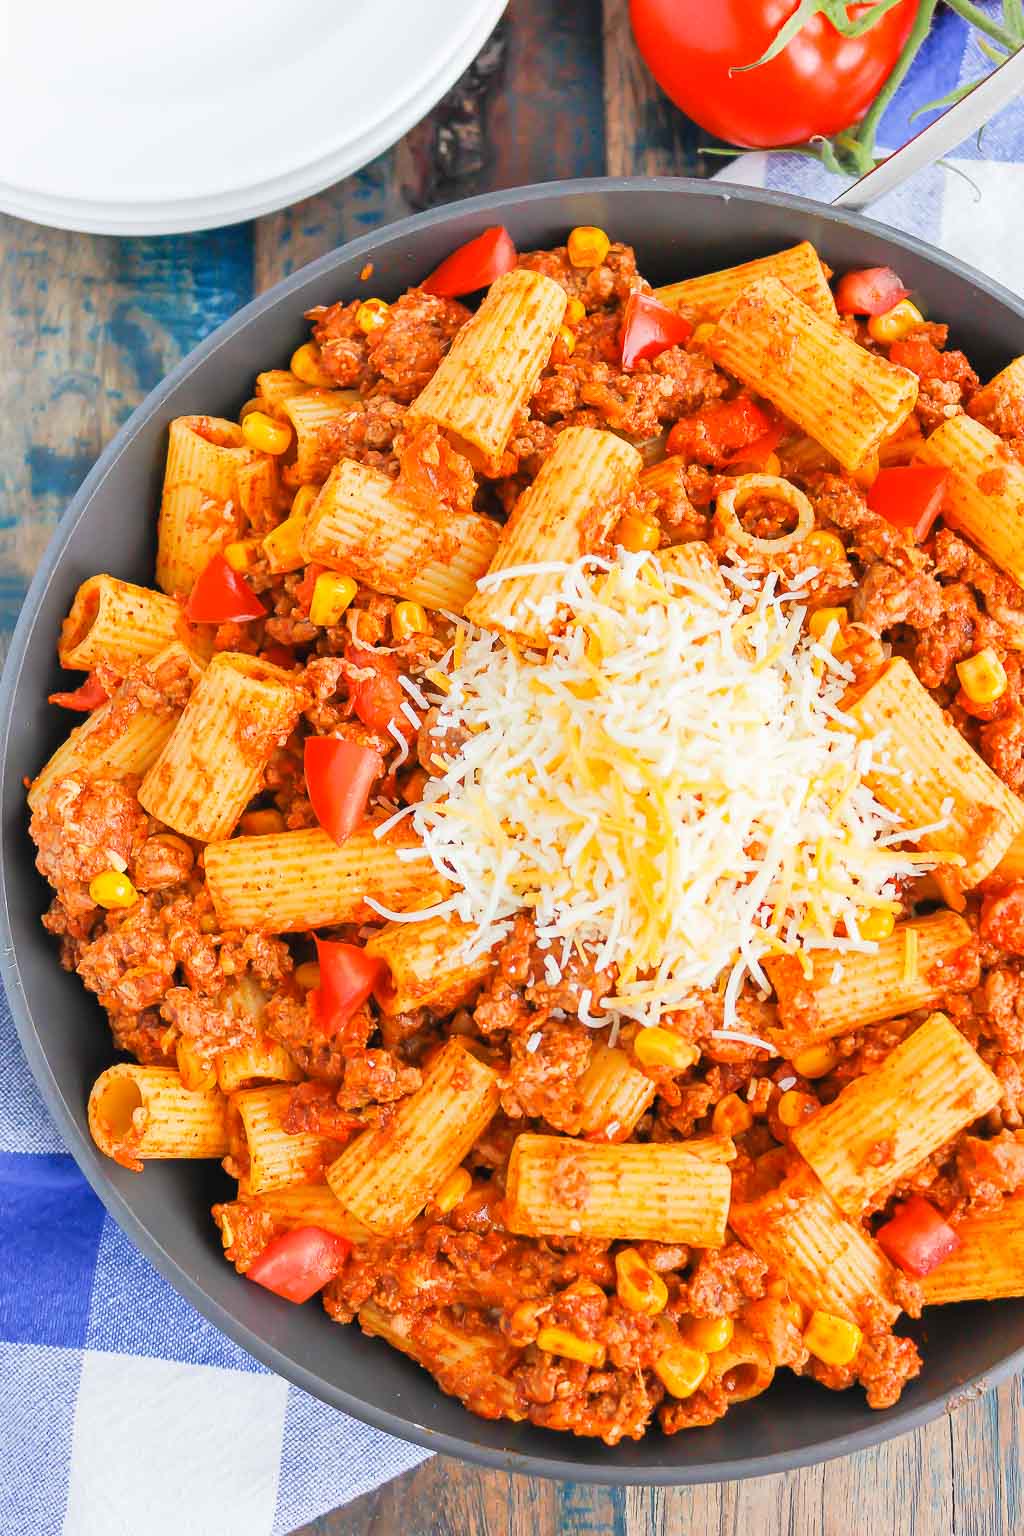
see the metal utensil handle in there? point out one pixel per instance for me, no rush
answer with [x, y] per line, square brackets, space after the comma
[947, 131]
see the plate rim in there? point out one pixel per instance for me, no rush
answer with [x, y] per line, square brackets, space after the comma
[887, 1424]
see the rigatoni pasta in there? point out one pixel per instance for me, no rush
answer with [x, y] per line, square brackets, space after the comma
[287, 882]
[887, 1121]
[387, 1175]
[615, 1094]
[209, 767]
[363, 526]
[199, 512]
[847, 399]
[989, 1260]
[274, 1157]
[426, 965]
[933, 778]
[568, 511]
[985, 492]
[116, 623]
[490, 373]
[845, 990]
[137, 1113]
[799, 268]
[564, 1188]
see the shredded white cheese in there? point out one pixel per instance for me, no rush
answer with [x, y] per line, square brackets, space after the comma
[671, 787]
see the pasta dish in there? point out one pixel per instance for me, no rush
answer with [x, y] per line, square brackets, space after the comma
[553, 829]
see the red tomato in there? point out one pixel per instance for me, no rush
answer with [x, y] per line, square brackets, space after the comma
[221, 596]
[377, 700]
[473, 265]
[649, 328]
[819, 83]
[88, 695]
[347, 977]
[916, 1237]
[339, 777]
[871, 291]
[298, 1264]
[910, 497]
[303, 593]
[723, 431]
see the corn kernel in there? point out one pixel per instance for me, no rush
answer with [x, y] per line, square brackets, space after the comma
[371, 315]
[307, 975]
[877, 924]
[564, 345]
[282, 546]
[587, 246]
[409, 619]
[255, 404]
[263, 433]
[821, 618]
[262, 823]
[896, 323]
[709, 1333]
[639, 1288]
[112, 890]
[703, 334]
[731, 1116]
[982, 676]
[331, 596]
[682, 1369]
[833, 1340]
[305, 365]
[559, 1341]
[816, 1061]
[824, 548]
[772, 465]
[636, 534]
[240, 554]
[303, 501]
[575, 311]
[796, 1107]
[656, 1047]
[196, 1075]
[454, 1189]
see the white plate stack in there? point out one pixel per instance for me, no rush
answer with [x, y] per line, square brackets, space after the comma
[144, 117]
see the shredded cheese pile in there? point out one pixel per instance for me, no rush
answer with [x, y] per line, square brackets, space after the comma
[672, 787]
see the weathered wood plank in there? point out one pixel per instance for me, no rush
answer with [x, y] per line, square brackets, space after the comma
[988, 1462]
[543, 120]
[89, 325]
[645, 134]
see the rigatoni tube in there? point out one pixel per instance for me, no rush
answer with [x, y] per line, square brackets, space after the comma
[241, 711]
[799, 268]
[117, 623]
[286, 882]
[387, 1175]
[363, 526]
[137, 1113]
[560, 1187]
[568, 511]
[845, 397]
[480, 388]
[985, 492]
[886, 1122]
[199, 510]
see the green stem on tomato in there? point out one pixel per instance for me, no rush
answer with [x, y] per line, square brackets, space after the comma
[1009, 36]
[862, 148]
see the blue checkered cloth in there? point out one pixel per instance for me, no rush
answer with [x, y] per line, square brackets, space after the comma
[122, 1411]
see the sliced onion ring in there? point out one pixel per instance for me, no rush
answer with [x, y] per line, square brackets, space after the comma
[744, 487]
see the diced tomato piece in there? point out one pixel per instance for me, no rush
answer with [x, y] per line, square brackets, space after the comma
[474, 265]
[649, 328]
[222, 596]
[347, 977]
[339, 777]
[756, 453]
[377, 699]
[303, 593]
[88, 695]
[909, 497]
[871, 291]
[723, 431]
[916, 1237]
[297, 1264]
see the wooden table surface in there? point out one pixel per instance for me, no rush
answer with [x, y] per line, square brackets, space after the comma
[90, 324]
